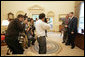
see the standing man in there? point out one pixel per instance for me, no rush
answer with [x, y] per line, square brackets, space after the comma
[12, 33]
[72, 30]
[41, 26]
[65, 23]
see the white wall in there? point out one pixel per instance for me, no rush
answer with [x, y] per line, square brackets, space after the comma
[58, 7]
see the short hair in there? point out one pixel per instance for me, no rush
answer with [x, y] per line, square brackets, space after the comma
[42, 15]
[25, 17]
[36, 18]
[31, 19]
[20, 15]
[71, 12]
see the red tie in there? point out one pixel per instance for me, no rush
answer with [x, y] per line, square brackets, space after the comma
[66, 21]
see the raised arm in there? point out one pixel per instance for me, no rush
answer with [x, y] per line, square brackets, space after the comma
[45, 26]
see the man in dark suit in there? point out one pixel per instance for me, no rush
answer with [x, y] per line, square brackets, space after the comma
[14, 28]
[72, 30]
[65, 34]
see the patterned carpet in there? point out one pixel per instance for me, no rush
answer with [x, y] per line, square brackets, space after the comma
[55, 47]
[52, 47]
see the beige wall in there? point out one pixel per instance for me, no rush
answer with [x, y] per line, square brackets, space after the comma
[58, 7]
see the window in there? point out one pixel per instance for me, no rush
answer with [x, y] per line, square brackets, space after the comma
[81, 19]
[51, 22]
[5, 23]
[50, 15]
[35, 16]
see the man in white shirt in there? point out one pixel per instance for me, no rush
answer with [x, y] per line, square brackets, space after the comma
[41, 26]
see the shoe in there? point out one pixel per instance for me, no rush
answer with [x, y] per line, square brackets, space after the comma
[33, 44]
[8, 53]
[67, 44]
[63, 42]
[72, 47]
[26, 47]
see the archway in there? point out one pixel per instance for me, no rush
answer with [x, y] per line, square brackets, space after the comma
[20, 12]
[35, 11]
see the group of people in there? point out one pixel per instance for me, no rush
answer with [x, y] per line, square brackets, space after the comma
[20, 25]
[70, 30]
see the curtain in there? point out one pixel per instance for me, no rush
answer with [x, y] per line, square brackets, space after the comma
[77, 9]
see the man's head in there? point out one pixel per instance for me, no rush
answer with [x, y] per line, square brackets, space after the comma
[42, 16]
[67, 16]
[20, 17]
[26, 20]
[36, 19]
[31, 20]
[71, 14]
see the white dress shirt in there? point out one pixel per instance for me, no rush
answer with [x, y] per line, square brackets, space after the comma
[41, 27]
[71, 17]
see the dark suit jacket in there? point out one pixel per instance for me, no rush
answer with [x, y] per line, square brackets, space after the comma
[14, 28]
[72, 25]
[64, 23]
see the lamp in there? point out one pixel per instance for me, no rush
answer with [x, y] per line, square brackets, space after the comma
[5, 23]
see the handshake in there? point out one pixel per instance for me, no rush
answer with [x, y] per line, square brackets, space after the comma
[66, 26]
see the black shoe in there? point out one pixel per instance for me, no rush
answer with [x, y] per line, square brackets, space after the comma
[63, 42]
[26, 47]
[8, 53]
[33, 44]
[67, 44]
[72, 47]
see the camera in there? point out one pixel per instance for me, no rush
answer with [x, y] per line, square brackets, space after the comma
[28, 19]
[45, 20]
[25, 16]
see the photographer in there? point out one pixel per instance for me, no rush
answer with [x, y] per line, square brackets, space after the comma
[12, 33]
[30, 33]
[41, 26]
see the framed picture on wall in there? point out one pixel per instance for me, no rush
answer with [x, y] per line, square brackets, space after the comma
[62, 17]
[10, 16]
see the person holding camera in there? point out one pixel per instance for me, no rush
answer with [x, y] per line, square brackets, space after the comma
[41, 26]
[30, 33]
[12, 34]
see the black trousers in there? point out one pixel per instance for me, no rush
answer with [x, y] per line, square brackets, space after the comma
[46, 33]
[42, 45]
[14, 45]
[29, 41]
[71, 39]
[65, 36]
